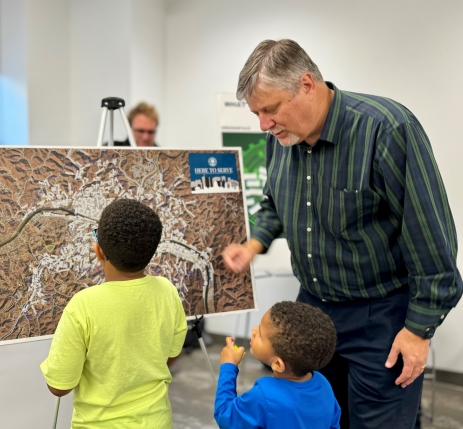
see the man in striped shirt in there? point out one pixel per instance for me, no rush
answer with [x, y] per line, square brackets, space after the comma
[354, 185]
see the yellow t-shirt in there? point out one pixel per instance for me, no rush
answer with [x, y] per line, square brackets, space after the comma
[111, 345]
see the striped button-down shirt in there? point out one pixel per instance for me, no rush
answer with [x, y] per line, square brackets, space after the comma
[364, 210]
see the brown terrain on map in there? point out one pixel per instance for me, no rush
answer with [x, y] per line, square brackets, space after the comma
[51, 200]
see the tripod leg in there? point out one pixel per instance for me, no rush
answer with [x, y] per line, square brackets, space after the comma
[127, 127]
[111, 128]
[102, 126]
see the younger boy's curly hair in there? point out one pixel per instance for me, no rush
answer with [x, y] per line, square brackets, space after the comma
[129, 233]
[304, 337]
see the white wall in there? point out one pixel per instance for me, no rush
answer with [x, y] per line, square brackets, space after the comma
[48, 72]
[147, 58]
[99, 64]
[409, 51]
[116, 49]
[60, 58]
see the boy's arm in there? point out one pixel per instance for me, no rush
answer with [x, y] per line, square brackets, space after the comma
[63, 367]
[58, 392]
[180, 328]
[230, 411]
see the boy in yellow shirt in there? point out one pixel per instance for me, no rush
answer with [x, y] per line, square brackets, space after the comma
[113, 340]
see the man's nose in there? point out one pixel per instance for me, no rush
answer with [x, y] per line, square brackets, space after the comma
[266, 122]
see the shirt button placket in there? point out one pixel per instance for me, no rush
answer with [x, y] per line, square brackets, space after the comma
[309, 178]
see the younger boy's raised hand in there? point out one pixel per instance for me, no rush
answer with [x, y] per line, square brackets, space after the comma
[230, 354]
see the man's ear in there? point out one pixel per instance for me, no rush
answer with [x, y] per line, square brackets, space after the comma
[278, 365]
[307, 83]
[99, 252]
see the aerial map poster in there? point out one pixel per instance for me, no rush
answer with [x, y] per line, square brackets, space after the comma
[51, 200]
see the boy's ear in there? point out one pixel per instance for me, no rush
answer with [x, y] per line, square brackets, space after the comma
[278, 365]
[99, 252]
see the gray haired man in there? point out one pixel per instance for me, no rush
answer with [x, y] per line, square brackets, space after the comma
[352, 181]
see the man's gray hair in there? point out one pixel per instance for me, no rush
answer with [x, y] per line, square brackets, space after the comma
[279, 64]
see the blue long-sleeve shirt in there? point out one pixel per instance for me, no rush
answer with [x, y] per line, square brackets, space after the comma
[274, 403]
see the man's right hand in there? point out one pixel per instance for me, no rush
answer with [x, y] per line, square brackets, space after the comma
[237, 257]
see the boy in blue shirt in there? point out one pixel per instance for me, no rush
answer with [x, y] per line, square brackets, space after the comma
[295, 340]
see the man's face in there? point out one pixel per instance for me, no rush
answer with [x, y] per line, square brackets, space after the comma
[144, 130]
[261, 346]
[290, 118]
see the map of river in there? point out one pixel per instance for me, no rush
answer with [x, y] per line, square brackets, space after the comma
[51, 200]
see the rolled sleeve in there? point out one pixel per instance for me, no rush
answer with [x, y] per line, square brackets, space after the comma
[180, 328]
[63, 367]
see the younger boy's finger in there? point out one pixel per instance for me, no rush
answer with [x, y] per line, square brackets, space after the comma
[229, 341]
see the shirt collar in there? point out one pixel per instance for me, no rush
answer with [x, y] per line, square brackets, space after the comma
[333, 122]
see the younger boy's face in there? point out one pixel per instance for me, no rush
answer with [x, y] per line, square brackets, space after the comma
[261, 346]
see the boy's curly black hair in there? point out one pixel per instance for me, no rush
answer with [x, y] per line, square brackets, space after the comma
[129, 233]
[304, 337]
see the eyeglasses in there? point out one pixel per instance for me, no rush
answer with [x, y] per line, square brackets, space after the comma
[141, 131]
[95, 236]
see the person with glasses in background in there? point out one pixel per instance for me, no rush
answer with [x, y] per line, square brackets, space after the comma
[144, 120]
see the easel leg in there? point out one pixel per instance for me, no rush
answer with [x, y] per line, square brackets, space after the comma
[195, 327]
[237, 325]
[55, 419]
[203, 347]
[247, 324]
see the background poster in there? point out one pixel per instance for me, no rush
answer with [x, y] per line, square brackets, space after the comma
[52, 200]
[239, 127]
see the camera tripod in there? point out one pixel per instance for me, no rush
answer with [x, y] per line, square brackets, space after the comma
[110, 104]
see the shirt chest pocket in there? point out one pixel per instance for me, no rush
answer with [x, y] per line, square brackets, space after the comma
[346, 212]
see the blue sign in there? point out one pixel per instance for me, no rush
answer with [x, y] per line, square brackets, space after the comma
[212, 172]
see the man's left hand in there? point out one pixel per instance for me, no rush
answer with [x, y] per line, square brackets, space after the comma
[414, 351]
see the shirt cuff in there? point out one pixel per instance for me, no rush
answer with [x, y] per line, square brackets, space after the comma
[229, 367]
[424, 321]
